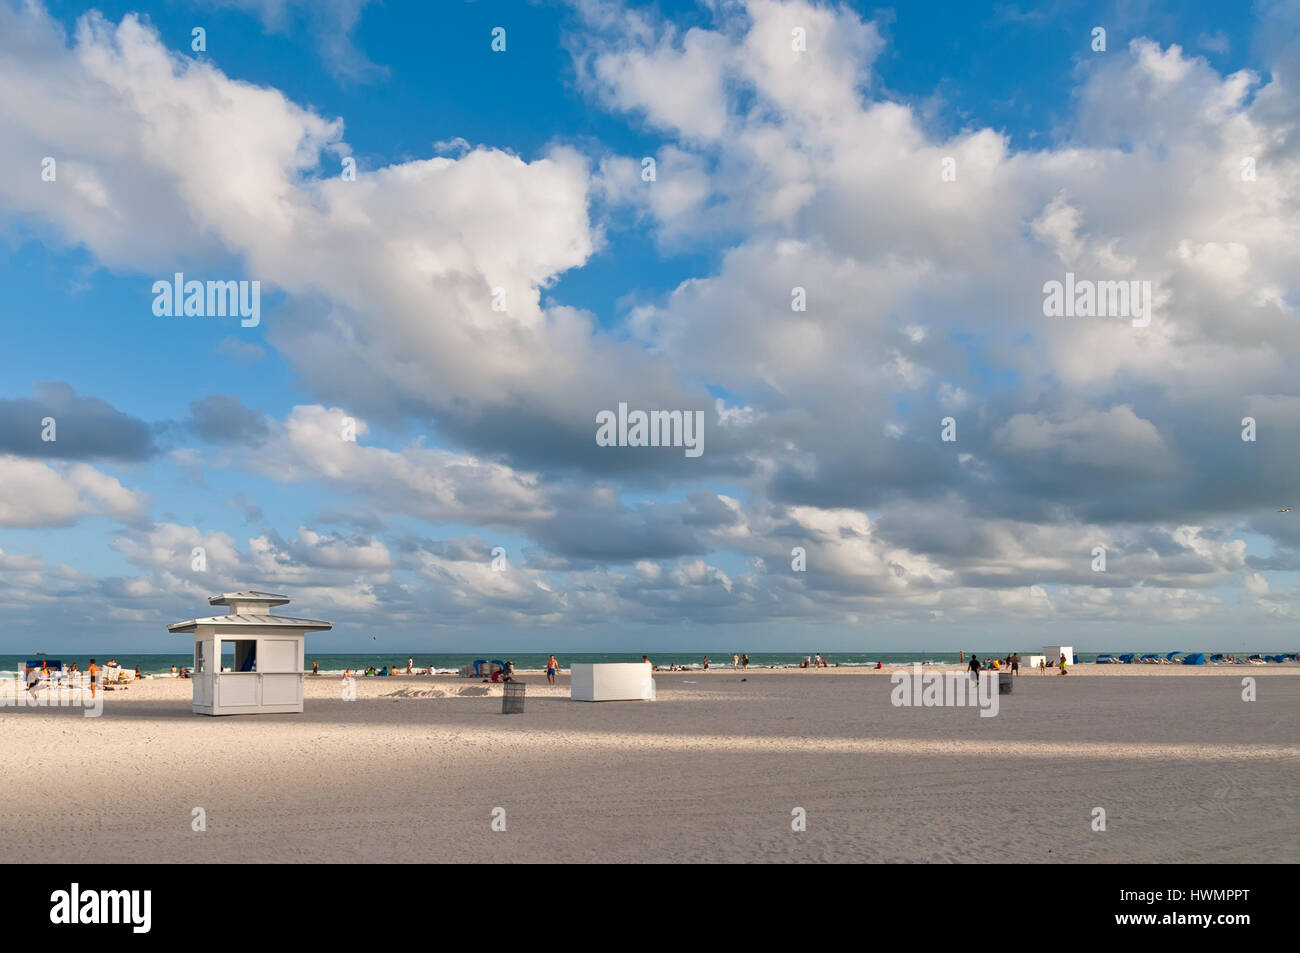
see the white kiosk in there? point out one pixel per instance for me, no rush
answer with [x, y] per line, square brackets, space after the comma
[267, 670]
[1054, 653]
[611, 682]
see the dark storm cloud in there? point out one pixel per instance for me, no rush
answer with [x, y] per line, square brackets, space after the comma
[221, 418]
[85, 428]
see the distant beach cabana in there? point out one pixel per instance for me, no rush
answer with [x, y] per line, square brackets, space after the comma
[1054, 653]
[267, 652]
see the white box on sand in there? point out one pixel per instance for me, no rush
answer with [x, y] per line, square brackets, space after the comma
[611, 682]
[1054, 653]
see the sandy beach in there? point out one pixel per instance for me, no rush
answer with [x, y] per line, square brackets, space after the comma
[413, 769]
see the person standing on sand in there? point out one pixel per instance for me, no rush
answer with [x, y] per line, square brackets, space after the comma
[975, 667]
[1063, 671]
[744, 660]
[94, 676]
[706, 663]
[735, 661]
[551, 666]
[410, 662]
[961, 657]
[1015, 663]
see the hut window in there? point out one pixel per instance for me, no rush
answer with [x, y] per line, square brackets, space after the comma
[243, 653]
[199, 667]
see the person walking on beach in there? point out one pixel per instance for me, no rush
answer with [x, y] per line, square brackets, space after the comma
[1015, 663]
[735, 661]
[94, 676]
[410, 662]
[975, 667]
[706, 663]
[551, 666]
[1063, 671]
[744, 660]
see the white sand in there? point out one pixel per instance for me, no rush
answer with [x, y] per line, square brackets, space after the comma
[412, 770]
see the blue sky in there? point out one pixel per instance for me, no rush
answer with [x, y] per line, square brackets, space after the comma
[776, 168]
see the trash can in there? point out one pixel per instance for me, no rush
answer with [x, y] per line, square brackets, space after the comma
[512, 701]
[1004, 684]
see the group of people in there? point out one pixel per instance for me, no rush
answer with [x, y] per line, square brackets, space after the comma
[383, 671]
[94, 675]
[1009, 663]
[815, 661]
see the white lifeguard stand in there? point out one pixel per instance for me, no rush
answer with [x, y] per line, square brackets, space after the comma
[267, 674]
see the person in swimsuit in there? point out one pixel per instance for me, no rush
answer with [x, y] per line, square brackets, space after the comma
[551, 667]
[1063, 671]
[94, 676]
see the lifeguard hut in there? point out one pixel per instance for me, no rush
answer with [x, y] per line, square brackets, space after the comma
[266, 673]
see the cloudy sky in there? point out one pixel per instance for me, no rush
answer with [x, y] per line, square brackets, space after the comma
[839, 260]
